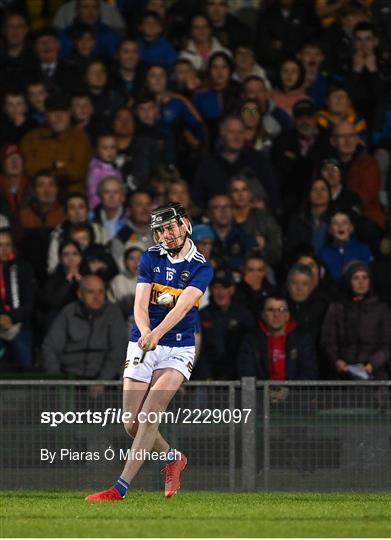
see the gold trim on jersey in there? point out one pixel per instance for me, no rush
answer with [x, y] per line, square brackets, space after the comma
[158, 289]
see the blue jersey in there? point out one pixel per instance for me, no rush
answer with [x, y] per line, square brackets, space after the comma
[168, 275]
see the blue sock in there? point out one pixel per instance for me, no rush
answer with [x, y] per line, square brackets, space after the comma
[121, 486]
[172, 455]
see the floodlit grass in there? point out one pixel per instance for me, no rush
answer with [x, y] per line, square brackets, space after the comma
[202, 514]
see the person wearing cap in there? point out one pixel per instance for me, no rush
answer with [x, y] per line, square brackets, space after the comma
[356, 330]
[223, 323]
[203, 237]
[59, 146]
[277, 349]
[295, 153]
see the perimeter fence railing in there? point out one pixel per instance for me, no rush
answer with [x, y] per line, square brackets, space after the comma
[239, 435]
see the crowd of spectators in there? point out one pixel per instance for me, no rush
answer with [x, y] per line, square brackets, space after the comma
[268, 120]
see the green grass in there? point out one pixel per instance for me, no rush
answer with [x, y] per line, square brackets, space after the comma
[202, 514]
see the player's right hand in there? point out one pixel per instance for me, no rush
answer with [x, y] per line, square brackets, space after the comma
[148, 342]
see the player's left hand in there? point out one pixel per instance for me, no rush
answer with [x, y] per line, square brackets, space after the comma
[149, 341]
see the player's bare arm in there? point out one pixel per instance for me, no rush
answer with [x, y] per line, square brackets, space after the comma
[186, 301]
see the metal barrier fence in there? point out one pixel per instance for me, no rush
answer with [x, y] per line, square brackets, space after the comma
[238, 435]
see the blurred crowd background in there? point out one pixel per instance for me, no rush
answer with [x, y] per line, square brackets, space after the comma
[269, 121]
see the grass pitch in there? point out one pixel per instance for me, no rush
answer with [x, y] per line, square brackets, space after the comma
[202, 514]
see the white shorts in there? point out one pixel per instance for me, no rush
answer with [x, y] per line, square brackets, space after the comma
[179, 358]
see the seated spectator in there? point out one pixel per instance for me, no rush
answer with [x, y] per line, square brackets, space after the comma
[231, 242]
[222, 95]
[338, 39]
[15, 121]
[307, 304]
[109, 15]
[104, 98]
[185, 79]
[59, 145]
[13, 187]
[88, 337]
[110, 213]
[382, 270]
[177, 115]
[101, 166]
[295, 153]
[57, 73]
[356, 330]
[254, 286]
[339, 109]
[83, 46]
[16, 303]
[154, 48]
[274, 119]
[76, 213]
[277, 349]
[229, 30]
[122, 287]
[289, 85]
[15, 50]
[381, 17]
[360, 171]
[61, 286]
[38, 219]
[343, 246]
[97, 258]
[231, 157]
[281, 29]
[315, 80]
[342, 198]
[88, 13]
[223, 323]
[309, 227]
[84, 117]
[136, 228]
[246, 63]
[257, 136]
[201, 44]
[322, 284]
[203, 237]
[37, 93]
[259, 223]
[365, 79]
[329, 11]
[127, 72]
[136, 153]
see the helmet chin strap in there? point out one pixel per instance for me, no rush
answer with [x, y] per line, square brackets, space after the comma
[177, 249]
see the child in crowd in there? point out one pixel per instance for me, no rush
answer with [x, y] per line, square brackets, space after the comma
[339, 108]
[101, 166]
[343, 247]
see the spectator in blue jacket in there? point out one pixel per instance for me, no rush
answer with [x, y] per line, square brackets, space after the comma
[231, 243]
[343, 247]
[155, 48]
[88, 13]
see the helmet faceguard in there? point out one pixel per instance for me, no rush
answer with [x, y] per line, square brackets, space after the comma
[164, 215]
